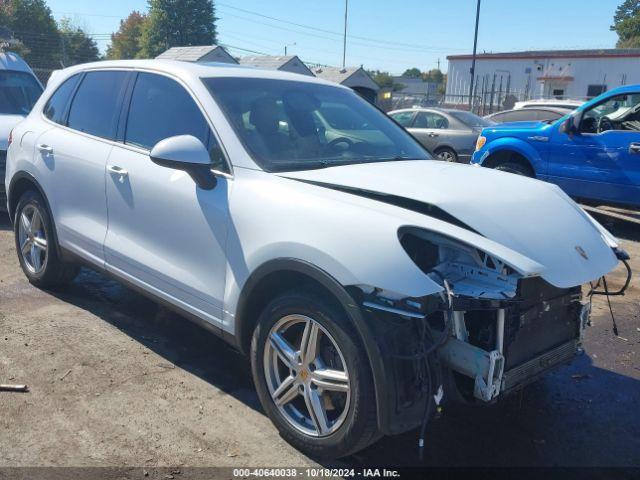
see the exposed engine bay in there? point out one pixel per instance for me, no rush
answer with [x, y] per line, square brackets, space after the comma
[488, 333]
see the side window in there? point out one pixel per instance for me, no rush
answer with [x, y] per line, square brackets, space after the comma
[403, 118]
[95, 107]
[619, 112]
[521, 115]
[430, 120]
[547, 115]
[56, 106]
[162, 108]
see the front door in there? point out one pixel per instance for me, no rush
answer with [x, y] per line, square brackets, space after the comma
[601, 162]
[166, 234]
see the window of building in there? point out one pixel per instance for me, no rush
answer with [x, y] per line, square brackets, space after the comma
[595, 90]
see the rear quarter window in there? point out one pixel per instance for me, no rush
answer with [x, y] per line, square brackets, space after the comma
[57, 104]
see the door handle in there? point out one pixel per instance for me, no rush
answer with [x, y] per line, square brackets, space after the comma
[432, 135]
[115, 170]
[45, 148]
[634, 147]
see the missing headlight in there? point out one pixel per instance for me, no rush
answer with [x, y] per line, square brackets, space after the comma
[462, 268]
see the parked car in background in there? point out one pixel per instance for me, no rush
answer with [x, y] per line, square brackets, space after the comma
[529, 114]
[364, 280]
[594, 154]
[449, 134]
[19, 91]
[548, 102]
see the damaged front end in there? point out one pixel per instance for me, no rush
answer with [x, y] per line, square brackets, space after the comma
[488, 332]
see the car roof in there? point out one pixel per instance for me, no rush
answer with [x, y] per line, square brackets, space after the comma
[544, 108]
[547, 102]
[426, 109]
[13, 61]
[185, 70]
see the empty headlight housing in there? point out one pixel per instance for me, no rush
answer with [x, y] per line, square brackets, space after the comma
[468, 271]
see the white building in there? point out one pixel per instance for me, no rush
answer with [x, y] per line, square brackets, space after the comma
[574, 74]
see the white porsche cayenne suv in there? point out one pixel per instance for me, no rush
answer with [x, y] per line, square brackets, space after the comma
[367, 282]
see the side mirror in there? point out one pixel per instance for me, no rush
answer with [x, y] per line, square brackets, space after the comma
[187, 153]
[571, 125]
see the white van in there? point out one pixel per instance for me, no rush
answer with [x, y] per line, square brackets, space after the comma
[19, 91]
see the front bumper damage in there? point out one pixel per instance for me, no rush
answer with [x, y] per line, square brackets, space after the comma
[492, 347]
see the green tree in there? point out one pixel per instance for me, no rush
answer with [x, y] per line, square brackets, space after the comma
[33, 25]
[176, 23]
[125, 43]
[412, 73]
[434, 75]
[626, 23]
[77, 46]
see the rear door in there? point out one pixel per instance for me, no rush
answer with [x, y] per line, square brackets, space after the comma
[74, 152]
[165, 233]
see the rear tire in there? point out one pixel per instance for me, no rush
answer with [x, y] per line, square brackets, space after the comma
[447, 154]
[516, 168]
[36, 244]
[347, 420]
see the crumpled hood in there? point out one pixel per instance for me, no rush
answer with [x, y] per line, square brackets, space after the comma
[7, 122]
[533, 218]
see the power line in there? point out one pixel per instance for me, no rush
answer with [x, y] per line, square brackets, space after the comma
[368, 39]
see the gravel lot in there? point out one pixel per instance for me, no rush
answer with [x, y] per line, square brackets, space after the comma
[117, 381]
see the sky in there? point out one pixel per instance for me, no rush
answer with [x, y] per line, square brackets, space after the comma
[386, 35]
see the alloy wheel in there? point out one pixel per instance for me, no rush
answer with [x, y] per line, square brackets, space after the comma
[32, 239]
[307, 376]
[446, 155]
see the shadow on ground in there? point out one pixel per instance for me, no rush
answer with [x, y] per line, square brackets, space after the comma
[579, 415]
[5, 224]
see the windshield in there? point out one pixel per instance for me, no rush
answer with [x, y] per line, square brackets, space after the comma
[471, 119]
[290, 125]
[19, 91]
[615, 107]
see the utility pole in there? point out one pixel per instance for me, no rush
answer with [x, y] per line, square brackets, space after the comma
[473, 60]
[344, 42]
[288, 45]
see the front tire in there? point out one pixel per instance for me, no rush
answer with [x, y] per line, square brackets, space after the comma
[516, 168]
[36, 244]
[313, 377]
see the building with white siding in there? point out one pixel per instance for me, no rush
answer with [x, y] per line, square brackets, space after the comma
[573, 74]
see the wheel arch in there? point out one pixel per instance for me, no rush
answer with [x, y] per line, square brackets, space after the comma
[278, 275]
[514, 150]
[20, 183]
[502, 156]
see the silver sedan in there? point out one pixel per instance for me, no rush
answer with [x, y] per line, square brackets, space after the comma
[448, 134]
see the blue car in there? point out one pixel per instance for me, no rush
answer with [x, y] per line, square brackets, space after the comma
[593, 154]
